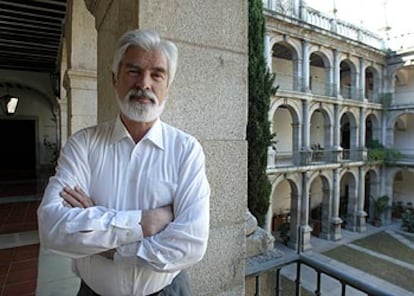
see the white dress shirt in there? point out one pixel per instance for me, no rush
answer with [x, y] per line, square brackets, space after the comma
[167, 167]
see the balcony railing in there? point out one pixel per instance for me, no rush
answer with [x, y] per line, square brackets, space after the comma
[322, 270]
[326, 22]
[277, 159]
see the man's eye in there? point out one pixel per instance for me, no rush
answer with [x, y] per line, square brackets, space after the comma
[158, 76]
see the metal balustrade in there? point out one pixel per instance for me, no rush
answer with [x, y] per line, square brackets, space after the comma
[326, 22]
[277, 159]
[322, 270]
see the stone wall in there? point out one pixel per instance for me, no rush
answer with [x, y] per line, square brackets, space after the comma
[208, 99]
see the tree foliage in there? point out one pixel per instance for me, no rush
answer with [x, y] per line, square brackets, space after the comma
[258, 127]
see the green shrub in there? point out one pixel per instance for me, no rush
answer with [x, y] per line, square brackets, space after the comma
[407, 221]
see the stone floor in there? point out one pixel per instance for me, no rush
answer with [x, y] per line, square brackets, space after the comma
[19, 248]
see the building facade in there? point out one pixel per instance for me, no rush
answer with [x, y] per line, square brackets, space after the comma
[343, 98]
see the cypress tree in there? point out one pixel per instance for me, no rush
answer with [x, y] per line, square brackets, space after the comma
[258, 127]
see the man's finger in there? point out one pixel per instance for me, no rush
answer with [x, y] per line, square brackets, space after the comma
[73, 202]
[80, 197]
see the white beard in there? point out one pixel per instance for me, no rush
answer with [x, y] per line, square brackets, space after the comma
[137, 111]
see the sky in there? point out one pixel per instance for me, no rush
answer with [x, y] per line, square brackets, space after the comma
[375, 15]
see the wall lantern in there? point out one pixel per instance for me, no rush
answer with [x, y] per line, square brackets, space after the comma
[9, 104]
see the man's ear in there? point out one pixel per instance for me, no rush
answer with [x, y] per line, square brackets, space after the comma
[113, 80]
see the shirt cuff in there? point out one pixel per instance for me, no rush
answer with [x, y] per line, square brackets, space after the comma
[129, 221]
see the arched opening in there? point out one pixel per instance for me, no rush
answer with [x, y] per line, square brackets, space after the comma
[286, 130]
[403, 187]
[371, 84]
[285, 66]
[319, 76]
[285, 212]
[371, 192]
[404, 135]
[348, 136]
[372, 130]
[319, 207]
[347, 80]
[347, 205]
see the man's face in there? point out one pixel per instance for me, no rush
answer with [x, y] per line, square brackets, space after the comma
[142, 84]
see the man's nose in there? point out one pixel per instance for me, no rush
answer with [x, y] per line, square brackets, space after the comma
[143, 81]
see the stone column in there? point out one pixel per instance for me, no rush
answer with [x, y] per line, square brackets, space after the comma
[305, 66]
[362, 133]
[336, 221]
[305, 229]
[337, 149]
[361, 79]
[336, 74]
[326, 220]
[268, 52]
[80, 75]
[212, 65]
[295, 224]
[306, 151]
[361, 225]
[352, 206]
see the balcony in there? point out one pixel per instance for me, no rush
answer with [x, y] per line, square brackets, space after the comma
[321, 156]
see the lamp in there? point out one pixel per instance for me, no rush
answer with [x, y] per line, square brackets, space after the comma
[10, 104]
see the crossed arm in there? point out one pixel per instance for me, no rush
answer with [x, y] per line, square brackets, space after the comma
[152, 220]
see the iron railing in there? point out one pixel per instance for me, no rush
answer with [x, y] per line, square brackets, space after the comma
[322, 270]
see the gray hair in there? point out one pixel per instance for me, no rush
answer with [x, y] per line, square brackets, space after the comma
[147, 40]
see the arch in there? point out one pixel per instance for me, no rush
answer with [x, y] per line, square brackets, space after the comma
[372, 84]
[372, 129]
[320, 205]
[36, 117]
[402, 189]
[372, 190]
[348, 79]
[285, 125]
[348, 200]
[286, 65]
[402, 133]
[320, 133]
[285, 202]
[349, 137]
[320, 74]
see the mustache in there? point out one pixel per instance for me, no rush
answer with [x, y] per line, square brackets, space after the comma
[143, 93]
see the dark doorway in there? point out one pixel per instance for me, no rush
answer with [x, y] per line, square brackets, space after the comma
[17, 149]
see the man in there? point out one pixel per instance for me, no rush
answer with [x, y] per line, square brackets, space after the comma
[130, 199]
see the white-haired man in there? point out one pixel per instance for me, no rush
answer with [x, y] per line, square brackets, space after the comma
[130, 198]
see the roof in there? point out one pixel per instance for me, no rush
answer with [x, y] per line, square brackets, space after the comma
[30, 34]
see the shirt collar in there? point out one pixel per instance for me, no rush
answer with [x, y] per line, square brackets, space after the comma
[154, 134]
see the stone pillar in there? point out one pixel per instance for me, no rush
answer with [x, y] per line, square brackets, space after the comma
[336, 74]
[362, 133]
[268, 52]
[80, 75]
[295, 224]
[352, 206]
[336, 221]
[306, 151]
[361, 214]
[305, 66]
[302, 10]
[212, 65]
[361, 79]
[305, 229]
[337, 149]
[326, 220]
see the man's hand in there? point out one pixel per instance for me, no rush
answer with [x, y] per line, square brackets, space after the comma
[76, 198]
[155, 220]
